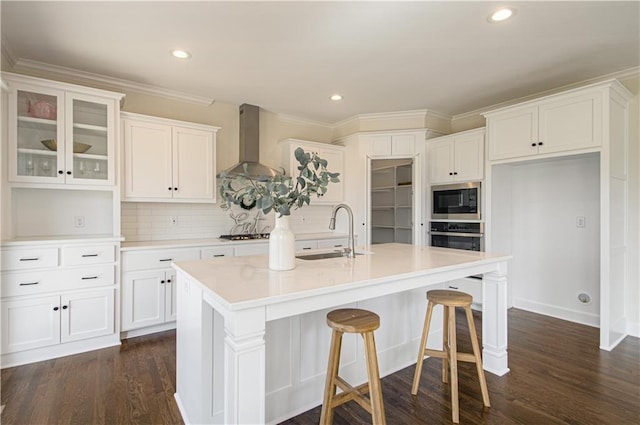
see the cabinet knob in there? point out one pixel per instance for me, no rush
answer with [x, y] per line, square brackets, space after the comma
[175, 188]
[534, 144]
[169, 188]
[451, 174]
[60, 172]
[64, 307]
[455, 173]
[540, 143]
[168, 280]
[69, 172]
[162, 281]
[56, 308]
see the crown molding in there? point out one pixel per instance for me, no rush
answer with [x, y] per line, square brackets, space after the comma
[618, 75]
[385, 116]
[8, 57]
[116, 83]
[298, 120]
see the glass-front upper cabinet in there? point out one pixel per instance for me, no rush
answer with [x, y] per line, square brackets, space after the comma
[60, 136]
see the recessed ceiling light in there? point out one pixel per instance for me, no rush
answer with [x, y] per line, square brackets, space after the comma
[336, 97]
[180, 54]
[502, 14]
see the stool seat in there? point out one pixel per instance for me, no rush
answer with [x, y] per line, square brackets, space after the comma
[353, 320]
[363, 322]
[449, 353]
[449, 298]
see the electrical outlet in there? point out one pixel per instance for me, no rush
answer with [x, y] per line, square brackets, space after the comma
[78, 221]
[173, 220]
[581, 221]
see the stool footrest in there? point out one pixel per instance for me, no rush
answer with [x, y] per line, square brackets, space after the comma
[352, 393]
[435, 353]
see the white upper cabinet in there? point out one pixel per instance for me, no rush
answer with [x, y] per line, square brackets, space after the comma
[169, 161]
[335, 163]
[388, 145]
[558, 124]
[458, 157]
[60, 133]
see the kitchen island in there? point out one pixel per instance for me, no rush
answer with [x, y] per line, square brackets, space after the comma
[252, 343]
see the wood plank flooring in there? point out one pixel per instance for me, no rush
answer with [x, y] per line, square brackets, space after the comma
[558, 376]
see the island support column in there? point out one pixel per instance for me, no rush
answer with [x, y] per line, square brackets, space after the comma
[494, 321]
[244, 367]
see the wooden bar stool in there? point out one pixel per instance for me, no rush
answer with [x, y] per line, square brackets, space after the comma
[449, 355]
[353, 320]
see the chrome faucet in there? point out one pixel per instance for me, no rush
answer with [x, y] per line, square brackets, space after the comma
[351, 250]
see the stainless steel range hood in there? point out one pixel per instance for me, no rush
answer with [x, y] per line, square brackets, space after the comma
[250, 145]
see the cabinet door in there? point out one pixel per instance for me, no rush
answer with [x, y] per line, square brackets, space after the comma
[335, 164]
[170, 300]
[193, 164]
[403, 144]
[441, 161]
[36, 134]
[87, 315]
[143, 299]
[90, 147]
[571, 123]
[513, 134]
[28, 324]
[147, 160]
[380, 145]
[468, 158]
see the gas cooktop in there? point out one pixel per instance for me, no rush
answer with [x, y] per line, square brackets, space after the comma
[245, 236]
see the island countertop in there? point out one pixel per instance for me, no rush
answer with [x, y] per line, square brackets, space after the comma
[244, 282]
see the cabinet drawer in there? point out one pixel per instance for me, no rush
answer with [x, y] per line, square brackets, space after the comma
[29, 258]
[251, 249]
[333, 243]
[217, 251]
[155, 259]
[37, 282]
[470, 286]
[306, 245]
[90, 254]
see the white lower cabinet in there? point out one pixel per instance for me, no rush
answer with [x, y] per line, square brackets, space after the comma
[45, 321]
[148, 298]
[468, 285]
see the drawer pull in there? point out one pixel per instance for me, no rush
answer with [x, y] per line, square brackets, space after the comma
[89, 255]
[338, 246]
[306, 247]
[166, 259]
[89, 277]
[218, 255]
[30, 259]
[453, 287]
[28, 283]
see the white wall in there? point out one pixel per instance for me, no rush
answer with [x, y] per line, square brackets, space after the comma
[553, 259]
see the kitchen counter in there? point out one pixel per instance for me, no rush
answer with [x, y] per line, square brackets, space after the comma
[248, 336]
[185, 243]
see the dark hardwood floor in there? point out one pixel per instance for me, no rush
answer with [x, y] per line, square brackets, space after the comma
[558, 376]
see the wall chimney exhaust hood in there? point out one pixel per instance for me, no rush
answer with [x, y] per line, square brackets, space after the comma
[250, 145]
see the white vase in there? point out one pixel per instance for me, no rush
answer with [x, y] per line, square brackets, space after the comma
[282, 245]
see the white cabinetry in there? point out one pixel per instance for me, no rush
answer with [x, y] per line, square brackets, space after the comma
[60, 133]
[558, 124]
[458, 157]
[57, 300]
[389, 145]
[167, 160]
[148, 293]
[335, 163]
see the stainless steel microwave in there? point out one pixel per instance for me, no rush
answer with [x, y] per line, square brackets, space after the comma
[456, 201]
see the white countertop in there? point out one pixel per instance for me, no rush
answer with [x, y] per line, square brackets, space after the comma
[61, 240]
[242, 282]
[186, 243]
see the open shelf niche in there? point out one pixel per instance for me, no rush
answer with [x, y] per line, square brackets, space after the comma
[391, 201]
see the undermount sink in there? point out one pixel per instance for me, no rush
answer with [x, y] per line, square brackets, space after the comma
[323, 255]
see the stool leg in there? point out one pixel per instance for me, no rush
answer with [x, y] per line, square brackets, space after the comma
[326, 415]
[476, 353]
[453, 361]
[445, 343]
[375, 388]
[423, 344]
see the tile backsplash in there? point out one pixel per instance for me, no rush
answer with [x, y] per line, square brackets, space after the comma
[146, 221]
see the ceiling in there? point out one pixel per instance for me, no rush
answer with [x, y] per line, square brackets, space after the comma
[290, 57]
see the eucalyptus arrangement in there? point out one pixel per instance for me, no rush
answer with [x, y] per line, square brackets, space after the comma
[281, 193]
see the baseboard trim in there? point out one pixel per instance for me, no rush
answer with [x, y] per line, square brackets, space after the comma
[588, 319]
[148, 330]
[633, 329]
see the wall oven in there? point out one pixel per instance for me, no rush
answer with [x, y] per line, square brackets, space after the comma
[459, 201]
[469, 236]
